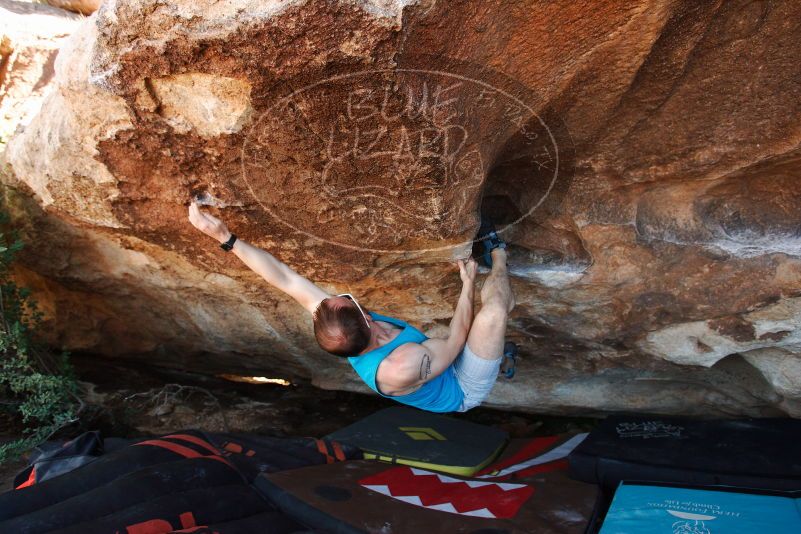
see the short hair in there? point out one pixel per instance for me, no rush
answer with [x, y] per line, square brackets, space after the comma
[340, 330]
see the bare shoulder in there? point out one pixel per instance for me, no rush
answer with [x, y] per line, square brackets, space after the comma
[405, 358]
[401, 369]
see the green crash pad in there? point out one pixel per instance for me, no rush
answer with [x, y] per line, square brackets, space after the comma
[423, 439]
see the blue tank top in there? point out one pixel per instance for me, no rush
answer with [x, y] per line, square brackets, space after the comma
[441, 394]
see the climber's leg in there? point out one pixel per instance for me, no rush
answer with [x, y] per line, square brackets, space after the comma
[477, 367]
[487, 334]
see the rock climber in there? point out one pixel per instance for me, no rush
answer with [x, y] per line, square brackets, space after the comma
[395, 359]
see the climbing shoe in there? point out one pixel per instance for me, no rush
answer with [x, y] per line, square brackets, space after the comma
[509, 359]
[489, 240]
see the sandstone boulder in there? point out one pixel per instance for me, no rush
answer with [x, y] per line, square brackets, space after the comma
[642, 157]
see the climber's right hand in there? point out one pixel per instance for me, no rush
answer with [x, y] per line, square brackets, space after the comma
[208, 224]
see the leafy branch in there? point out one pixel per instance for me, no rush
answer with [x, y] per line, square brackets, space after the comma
[36, 386]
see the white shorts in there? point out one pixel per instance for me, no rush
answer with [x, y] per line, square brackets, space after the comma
[476, 376]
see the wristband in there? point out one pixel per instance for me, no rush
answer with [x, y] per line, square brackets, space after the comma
[228, 245]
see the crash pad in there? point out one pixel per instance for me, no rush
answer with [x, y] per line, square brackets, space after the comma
[423, 439]
[652, 508]
[52, 459]
[156, 485]
[128, 491]
[271, 522]
[526, 457]
[104, 470]
[252, 454]
[755, 453]
[368, 496]
[202, 506]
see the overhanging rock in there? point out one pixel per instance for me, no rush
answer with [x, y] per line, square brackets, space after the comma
[644, 186]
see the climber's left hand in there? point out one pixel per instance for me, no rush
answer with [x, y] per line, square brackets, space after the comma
[467, 270]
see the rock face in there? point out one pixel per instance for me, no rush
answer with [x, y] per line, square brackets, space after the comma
[642, 157]
[30, 38]
[84, 7]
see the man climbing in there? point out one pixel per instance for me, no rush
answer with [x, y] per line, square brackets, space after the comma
[396, 360]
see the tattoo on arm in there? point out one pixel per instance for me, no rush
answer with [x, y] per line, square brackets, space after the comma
[425, 366]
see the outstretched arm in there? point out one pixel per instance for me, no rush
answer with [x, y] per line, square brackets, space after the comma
[275, 272]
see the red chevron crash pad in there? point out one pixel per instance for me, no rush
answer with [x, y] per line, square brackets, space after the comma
[526, 490]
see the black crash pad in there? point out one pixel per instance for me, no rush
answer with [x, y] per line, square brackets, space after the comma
[183, 480]
[755, 453]
[422, 439]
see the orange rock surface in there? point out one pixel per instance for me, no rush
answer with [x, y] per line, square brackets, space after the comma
[642, 157]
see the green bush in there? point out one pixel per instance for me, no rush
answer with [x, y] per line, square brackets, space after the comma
[37, 386]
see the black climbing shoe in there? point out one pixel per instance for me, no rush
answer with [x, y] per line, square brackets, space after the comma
[489, 240]
[509, 359]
